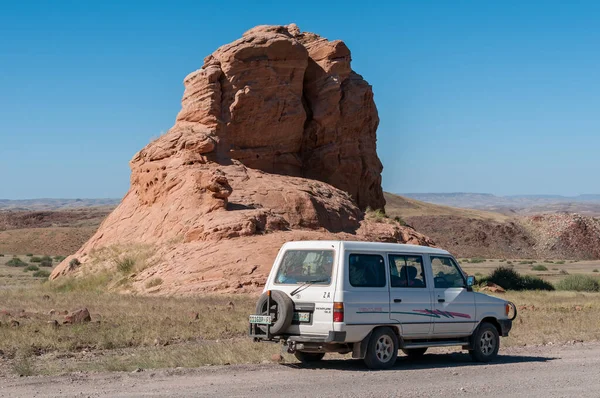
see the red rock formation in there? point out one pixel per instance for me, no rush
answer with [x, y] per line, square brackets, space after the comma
[212, 200]
[287, 102]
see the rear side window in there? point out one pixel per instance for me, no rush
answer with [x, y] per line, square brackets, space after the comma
[406, 271]
[367, 270]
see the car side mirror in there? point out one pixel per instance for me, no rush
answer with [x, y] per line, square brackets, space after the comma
[470, 282]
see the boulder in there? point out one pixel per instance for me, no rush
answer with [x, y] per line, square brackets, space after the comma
[78, 316]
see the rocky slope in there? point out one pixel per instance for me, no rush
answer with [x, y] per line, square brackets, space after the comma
[477, 233]
[275, 141]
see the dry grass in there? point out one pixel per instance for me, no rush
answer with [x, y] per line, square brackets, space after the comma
[555, 317]
[52, 240]
[129, 332]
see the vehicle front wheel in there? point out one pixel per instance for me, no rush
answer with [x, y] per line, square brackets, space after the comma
[382, 349]
[307, 357]
[414, 353]
[486, 343]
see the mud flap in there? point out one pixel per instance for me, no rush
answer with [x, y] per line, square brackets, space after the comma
[359, 350]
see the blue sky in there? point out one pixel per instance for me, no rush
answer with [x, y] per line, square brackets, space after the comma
[473, 96]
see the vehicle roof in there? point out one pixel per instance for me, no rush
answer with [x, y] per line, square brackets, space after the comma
[375, 246]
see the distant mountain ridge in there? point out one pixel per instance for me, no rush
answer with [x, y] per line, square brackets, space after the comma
[502, 203]
[55, 204]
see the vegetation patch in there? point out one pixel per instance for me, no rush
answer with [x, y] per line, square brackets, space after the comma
[539, 267]
[41, 274]
[510, 279]
[31, 267]
[579, 283]
[16, 262]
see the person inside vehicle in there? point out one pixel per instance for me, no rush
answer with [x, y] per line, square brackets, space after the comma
[412, 277]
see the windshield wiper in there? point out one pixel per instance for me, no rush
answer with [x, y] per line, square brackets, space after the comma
[307, 284]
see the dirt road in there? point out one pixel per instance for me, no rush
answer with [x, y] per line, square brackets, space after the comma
[566, 371]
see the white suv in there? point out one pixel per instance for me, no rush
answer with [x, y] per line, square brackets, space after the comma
[371, 299]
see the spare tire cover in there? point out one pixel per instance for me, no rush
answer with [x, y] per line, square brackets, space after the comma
[283, 307]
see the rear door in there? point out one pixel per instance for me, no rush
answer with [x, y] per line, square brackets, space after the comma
[307, 275]
[410, 295]
[454, 306]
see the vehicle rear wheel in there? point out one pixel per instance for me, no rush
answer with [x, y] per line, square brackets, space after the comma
[486, 342]
[307, 357]
[414, 353]
[282, 310]
[382, 349]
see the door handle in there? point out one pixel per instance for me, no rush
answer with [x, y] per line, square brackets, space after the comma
[397, 300]
[441, 300]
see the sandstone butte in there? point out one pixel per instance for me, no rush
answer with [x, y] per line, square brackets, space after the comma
[275, 141]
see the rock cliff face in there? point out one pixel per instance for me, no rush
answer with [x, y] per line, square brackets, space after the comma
[275, 141]
[287, 102]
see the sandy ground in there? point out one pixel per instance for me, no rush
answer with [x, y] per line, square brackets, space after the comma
[565, 371]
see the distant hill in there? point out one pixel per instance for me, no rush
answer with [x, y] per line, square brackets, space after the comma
[483, 233]
[55, 204]
[588, 204]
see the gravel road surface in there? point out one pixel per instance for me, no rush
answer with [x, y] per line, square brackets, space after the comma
[549, 371]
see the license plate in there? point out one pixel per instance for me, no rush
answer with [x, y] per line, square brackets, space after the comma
[302, 316]
[260, 319]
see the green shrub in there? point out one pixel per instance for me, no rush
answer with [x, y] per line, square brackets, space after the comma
[502, 260]
[579, 283]
[400, 221]
[16, 262]
[41, 274]
[595, 270]
[74, 263]
[59, 259]
[509, 262]
[35, 260]
[46, 263]
[29, 255]
[31, 268]
[539, 267]
[530, 282]
[510, 279]
[559, 262]
[549, 261]
[1, 255]
[526, 262]
[477, 260]
[125, 265]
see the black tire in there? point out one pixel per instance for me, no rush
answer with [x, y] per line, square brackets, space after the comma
[282, 309]
[485, 343]
[414, 353]
[382, 349]
[308, 357]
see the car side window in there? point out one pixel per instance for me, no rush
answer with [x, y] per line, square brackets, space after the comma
[406, 271]
[446, 273]
[367, 270]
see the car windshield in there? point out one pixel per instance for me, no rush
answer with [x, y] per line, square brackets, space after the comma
[299, 266]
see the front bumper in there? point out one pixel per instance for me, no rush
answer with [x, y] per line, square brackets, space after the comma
[505, 326]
